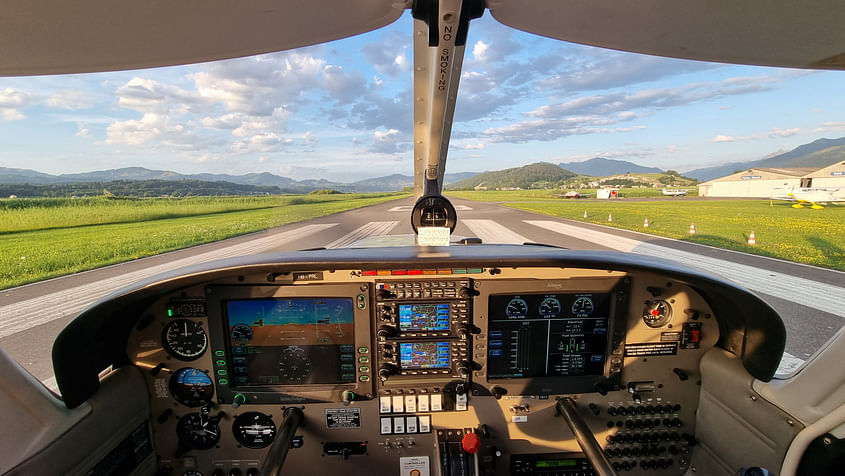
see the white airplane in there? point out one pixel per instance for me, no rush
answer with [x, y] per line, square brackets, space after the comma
[458, 360]
[675, 192]
[816, 198]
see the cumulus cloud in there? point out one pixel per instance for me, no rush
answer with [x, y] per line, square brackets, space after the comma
[388, 55]
[70, 100]
[391, 141]
[11, 100]
[346, 88]
[154, 129]
[723, 138]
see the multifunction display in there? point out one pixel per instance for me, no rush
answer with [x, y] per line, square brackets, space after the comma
[294, 341]
[424, 355]
[423, 317]
[547, 335]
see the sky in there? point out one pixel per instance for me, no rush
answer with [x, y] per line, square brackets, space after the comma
[343, 110]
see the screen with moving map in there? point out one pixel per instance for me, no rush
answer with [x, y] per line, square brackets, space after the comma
[424, 355]
[424, 317]
[297, 341]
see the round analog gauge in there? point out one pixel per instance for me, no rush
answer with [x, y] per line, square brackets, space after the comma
[241, 333]
[657, 313]
[294, 365]
[191, 387]
[517, 307]
[582, 305]
[184, 339]
[550, 306]
[197, 431]
[254, 430]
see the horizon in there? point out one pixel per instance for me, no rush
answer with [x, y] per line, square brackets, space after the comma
[319, 112]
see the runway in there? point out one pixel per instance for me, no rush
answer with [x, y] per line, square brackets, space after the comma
[811, 300]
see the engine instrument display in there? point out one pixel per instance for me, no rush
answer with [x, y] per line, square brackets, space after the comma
[184, 339]
[424, 317]
[543, 339]
[424, 355]
[294, 341]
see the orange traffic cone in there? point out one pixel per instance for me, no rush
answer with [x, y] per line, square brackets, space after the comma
[645, 224]
[692, 229]
[752, 240]
[609, 217]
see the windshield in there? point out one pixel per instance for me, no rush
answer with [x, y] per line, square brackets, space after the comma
[733, 169]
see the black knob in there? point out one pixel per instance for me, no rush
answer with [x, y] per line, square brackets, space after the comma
[235, 472]
[594, 408]
[218, 472]
[386, 370]
[463, 368]
[463, 331]
[498, 392]
[386, 331]
[611, 411]
[681, 374]
[466, 293]
[601, 388]
[252, 472]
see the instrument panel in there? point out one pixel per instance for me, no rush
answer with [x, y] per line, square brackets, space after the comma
[425, 374]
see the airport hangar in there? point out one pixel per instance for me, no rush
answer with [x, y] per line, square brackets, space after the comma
[770, 182]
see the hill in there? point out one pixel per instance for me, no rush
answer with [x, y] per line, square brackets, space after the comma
[136, 188]
[387, 183]
[819, 153]
[538, 175]
[599, 167]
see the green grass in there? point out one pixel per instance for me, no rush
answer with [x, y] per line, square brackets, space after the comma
[555, 194]
[815, 237]
[46, 238]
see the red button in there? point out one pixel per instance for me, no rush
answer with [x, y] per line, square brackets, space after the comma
[471, 443]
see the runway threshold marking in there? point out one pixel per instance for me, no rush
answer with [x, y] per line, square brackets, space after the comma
[373, 228]
[29, 313]
[492, 232]
[817, 295]
[407, 208]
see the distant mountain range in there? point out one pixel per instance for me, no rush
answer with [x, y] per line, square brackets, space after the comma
[819, 153]
[265, 179]
[600, 167]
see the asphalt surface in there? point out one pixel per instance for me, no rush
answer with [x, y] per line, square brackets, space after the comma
[811, 300]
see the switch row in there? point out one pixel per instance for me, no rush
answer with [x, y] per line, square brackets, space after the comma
[399, 425]
[411, 403]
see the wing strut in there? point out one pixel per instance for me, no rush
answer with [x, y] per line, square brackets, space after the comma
[440, 33]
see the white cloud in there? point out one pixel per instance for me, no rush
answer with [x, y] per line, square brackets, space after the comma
[479, 50]
[774, 133]
[82, 130]
[11, 115]
[261, 143]
[388, 55]
[155, 131]
[13, 99]
[837, 126]
[71, 99]
[391, 141]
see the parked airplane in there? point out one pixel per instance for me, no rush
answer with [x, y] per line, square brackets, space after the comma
[675, 192]
[817, 198]
[458, 360]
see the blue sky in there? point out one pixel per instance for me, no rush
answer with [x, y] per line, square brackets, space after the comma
[343, 110]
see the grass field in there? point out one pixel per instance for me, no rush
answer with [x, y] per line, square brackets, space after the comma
[555, 194]
[815, 237]
[44, 238]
